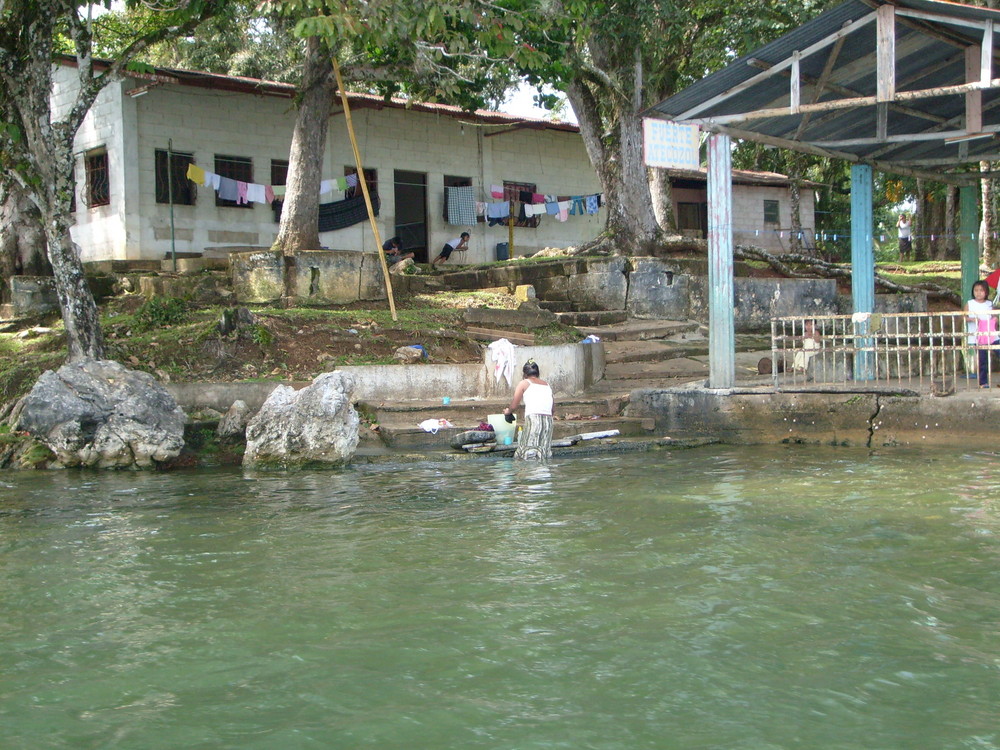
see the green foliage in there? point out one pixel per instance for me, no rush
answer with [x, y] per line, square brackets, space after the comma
[262, 336]
[159, 312]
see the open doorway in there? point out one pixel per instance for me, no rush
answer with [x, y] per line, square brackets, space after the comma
[411, 212]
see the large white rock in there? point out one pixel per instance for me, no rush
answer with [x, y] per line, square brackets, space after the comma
[99, 413]
[314, 426]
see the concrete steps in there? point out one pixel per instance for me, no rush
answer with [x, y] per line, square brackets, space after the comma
[592, 317]
[641, 330]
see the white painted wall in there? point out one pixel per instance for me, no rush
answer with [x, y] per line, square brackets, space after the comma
[208, 122]
[748, 214]
[100, 231]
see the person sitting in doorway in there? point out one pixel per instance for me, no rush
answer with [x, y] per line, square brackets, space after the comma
[459, 243]
[393, 248]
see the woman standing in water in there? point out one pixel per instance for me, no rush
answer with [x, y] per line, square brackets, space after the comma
[535, 443]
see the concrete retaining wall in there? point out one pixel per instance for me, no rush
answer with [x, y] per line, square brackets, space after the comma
[837, 418]
[569, 368]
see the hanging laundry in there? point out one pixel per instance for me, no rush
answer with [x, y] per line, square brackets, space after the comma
[524, 196]
[351, 180]
[278, 190]
[228, 190]
[241, 192]
[496, 191]
[345, 213]
[216, 180]
[342, 184]
[552, 208]
[268, 194]
[502, 353]
[497, 213]
[537, 198]
[461, 205]
[592, 205]
[563, 210]
[480, 208]
[196, 174]
[327, 186]
[255, 193]
[577, 207]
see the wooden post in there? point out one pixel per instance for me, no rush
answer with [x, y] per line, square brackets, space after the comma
[364, 187]
[721, 329]
[510, 231]
[862, 265]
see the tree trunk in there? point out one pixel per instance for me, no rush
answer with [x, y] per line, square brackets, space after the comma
[661, 193]
[950, 247]
[919, 224]
[22, 241]
[299, 228]
[988, 223]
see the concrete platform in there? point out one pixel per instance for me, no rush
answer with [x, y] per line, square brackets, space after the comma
[638, 330]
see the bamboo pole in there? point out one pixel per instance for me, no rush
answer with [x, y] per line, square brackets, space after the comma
[364, 187]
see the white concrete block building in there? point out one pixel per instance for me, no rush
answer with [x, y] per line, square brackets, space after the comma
[242, 128]
[762, 207]
[133, 203]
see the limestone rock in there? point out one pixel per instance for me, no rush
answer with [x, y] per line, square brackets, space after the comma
[99, 413]
[405, 267]
[234, 423]
[408, 355]
[314, 426]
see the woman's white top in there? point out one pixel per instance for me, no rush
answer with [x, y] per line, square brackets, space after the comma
[537, 399]
[904, 230]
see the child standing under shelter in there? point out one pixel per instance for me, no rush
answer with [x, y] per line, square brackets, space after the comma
[982, 328]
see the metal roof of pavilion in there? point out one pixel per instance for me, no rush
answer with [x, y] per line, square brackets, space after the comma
[903, 85]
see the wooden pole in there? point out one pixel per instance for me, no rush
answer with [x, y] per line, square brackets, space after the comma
[510, 232]
[364, 187]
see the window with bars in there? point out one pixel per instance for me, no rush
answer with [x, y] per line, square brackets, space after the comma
[512, 191]
[173, 183]
[98, 180]
[235, 168]
[371, 177]
[771, 215]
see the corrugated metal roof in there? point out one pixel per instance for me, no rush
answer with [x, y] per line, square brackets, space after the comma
[931, 40]
[260, 87]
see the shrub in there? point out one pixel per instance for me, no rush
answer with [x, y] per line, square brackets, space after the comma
[159, 312]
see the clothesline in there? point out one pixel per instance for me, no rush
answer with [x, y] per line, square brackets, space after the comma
[464, 209]
[252, 192]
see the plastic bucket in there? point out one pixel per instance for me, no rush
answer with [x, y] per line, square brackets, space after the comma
[503, 429]
[503, 252]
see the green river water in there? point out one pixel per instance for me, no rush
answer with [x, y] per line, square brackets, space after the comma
[756, 599]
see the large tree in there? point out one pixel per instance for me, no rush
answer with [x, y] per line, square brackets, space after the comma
[613, 58]
[463, 52]
[36, 140]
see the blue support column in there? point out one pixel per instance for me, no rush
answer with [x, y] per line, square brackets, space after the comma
[721, 330]
[968, 237]
[862, 266]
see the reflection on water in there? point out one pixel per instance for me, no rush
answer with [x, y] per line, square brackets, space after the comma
[718, 598]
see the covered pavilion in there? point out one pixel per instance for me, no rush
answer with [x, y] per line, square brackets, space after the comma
[902, 86]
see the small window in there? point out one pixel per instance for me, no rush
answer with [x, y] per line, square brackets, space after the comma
[172, 184]
[512, 191]
[371, 177]
[451, 181]
[771, 215]
[235, 168]
[98, 185]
